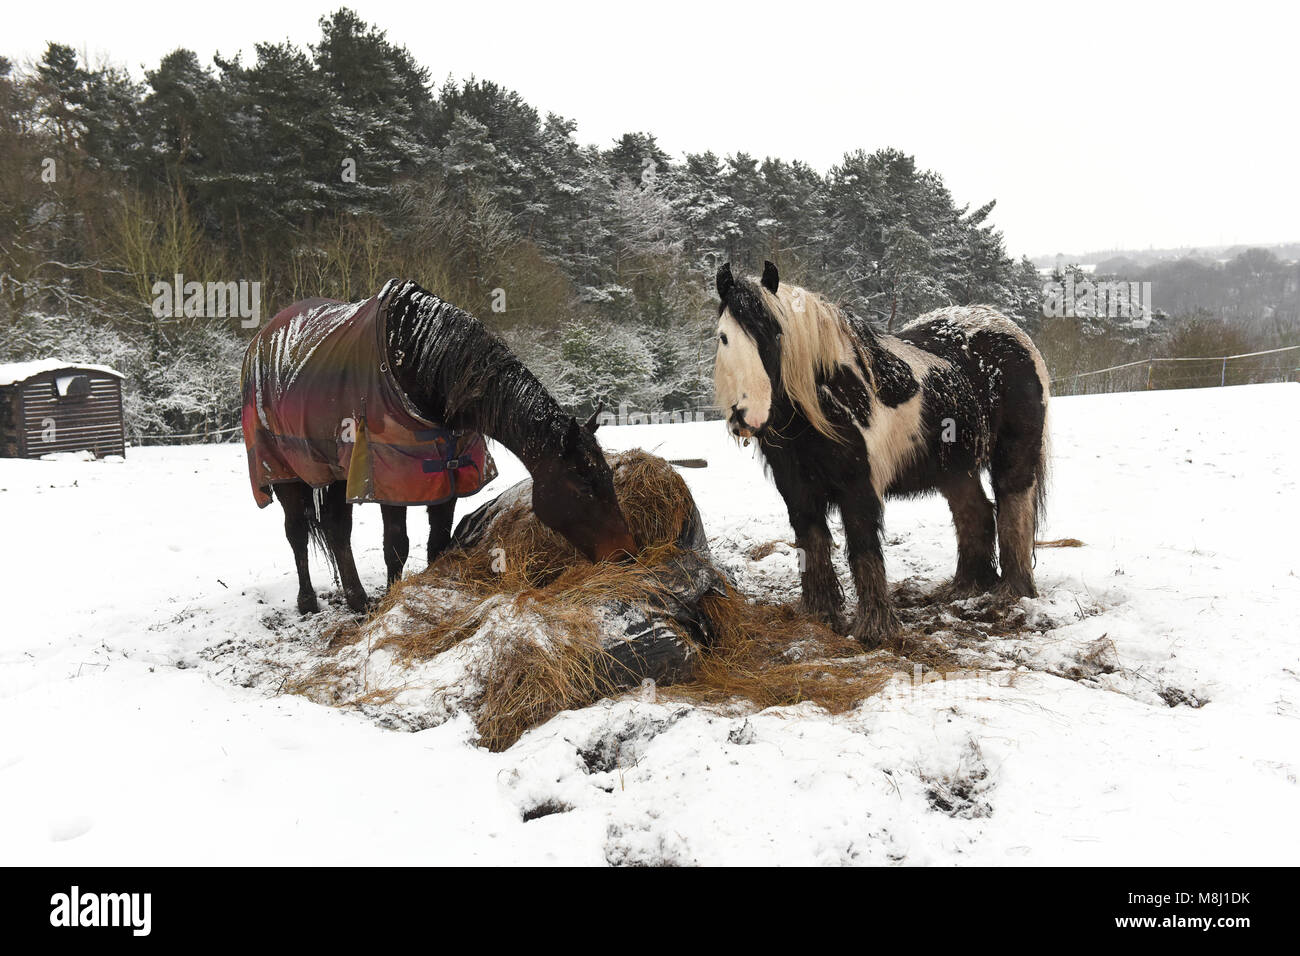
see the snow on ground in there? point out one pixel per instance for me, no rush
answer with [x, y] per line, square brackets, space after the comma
[1152, 717]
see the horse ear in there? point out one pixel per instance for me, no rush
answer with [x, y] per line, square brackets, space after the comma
[725, 281]
[770, 278]
[594, 421]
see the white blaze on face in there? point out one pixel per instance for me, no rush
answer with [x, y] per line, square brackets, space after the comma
[739, 379]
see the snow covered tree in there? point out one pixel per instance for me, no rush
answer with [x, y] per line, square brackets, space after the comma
[325, 169]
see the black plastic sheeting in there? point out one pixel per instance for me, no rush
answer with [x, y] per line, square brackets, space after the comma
[639, 640]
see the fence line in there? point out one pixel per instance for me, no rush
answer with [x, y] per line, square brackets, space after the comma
[1152, 361]
[708, 411]
[206, 434]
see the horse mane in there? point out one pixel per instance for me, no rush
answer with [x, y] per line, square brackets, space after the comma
[815, 337]
[461, 374]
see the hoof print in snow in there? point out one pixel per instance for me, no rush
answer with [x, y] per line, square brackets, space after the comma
[545, 809]
[275, 620]
[1094, 660]
[1177, 697]
[961, 794]
[621, 747]
[640, 846]
[958, 799]
[743, 735]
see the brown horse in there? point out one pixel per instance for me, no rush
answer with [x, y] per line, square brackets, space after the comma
[386, 401]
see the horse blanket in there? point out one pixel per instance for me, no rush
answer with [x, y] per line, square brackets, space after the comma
[320, 405]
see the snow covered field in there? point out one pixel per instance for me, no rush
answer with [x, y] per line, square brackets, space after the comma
[1153, 716]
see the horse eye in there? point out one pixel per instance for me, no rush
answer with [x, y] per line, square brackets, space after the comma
[722, 337]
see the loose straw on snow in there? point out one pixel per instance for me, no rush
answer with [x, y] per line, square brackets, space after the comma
[762, 654]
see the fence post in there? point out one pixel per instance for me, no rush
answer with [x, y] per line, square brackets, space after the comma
[1150, 367]
[1223, 375]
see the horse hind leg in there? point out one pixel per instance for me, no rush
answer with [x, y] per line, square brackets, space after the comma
[1016, 542]
[296, 500]
[1017, 466]
[336, 522]
[973, 517]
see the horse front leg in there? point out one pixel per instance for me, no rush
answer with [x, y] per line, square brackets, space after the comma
[875, 621]
[822, 595]
[440, 518]
[397, 546]
[336, 521]
[807, 504]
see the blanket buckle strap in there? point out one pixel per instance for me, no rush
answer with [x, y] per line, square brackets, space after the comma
[449, 464]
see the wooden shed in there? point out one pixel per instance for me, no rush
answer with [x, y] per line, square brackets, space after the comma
[55, 406]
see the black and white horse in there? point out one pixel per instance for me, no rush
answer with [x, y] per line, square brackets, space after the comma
[846, 415]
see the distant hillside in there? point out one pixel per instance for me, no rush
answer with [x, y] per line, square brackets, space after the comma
[1255, 292]
[1119, 260]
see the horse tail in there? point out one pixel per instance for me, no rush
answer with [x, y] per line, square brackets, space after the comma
[1040, 473]
[316, 530]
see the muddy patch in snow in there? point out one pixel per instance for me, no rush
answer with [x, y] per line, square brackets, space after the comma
[1054, 633]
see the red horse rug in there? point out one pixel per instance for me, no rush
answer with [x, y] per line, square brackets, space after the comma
[320, 406]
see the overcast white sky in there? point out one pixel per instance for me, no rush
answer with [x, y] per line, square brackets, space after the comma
[1106, 125]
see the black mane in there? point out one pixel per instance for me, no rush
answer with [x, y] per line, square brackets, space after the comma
[458, 373]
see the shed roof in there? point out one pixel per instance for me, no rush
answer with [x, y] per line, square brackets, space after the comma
[16, 372]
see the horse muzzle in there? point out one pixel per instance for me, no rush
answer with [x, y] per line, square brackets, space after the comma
[742, 428]
[619, 548]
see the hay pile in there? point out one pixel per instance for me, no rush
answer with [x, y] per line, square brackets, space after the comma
[535, 629]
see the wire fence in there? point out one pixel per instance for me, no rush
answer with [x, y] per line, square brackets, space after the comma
[1248, 368]
[207, 436]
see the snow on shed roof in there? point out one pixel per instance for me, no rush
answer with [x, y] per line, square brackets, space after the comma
[16, 372]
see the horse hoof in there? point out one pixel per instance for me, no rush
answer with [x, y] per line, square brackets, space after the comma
[356, 603]
[307, 604]
[872, 629]
[958, 591]
[1011, 589]
[962, 588]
